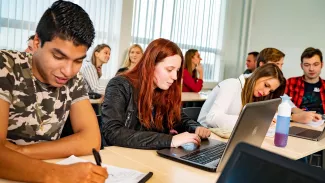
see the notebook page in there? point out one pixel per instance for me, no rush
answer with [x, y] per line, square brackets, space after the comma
[116, 174]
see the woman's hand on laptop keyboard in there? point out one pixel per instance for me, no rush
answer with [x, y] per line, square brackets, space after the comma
[203, 132]
[184, 138]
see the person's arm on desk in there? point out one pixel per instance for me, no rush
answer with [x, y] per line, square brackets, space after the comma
[86, 136]
[304, 116]
[18, 167]
[189, 125]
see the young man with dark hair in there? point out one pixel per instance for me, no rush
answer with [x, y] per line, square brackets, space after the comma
[251, 62]
[308, 91]
[30, 45]
[38, 92]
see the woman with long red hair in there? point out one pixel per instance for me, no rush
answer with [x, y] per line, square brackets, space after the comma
[142, 108]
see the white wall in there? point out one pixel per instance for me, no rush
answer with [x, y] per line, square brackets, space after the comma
[289, 25]
[236, 33]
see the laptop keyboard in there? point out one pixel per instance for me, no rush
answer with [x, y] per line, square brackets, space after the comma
[206, 155]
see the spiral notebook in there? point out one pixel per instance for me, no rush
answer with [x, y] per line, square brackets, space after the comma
[116, 174]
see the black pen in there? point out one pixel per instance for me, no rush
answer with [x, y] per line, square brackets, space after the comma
[98, 159]
[146, 177]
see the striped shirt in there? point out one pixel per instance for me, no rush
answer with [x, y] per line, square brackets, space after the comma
[89, 72]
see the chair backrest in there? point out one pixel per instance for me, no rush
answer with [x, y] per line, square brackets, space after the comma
[192, 112]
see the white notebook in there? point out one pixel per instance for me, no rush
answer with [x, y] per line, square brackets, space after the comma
[116, 174]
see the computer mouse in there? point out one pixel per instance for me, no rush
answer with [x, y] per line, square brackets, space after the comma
[190, 146]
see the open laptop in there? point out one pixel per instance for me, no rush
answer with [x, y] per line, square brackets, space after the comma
[251, 127]
[250, 164]
[306, 133]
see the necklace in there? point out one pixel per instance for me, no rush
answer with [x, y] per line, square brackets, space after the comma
[39, 114]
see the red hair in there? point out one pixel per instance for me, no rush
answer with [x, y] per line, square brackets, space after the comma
[167, 103]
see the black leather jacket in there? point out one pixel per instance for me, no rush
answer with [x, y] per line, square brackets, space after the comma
[121, 125]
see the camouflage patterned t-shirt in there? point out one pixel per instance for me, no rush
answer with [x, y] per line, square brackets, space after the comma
[17, 86]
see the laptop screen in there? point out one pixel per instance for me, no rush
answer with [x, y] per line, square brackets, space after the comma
[249, 169]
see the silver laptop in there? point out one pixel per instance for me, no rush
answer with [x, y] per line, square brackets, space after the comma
[251, 127]
[307, 133]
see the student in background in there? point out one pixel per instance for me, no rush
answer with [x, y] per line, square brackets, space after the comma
[251, 62]
[38, 92]
[30, 46]
[270, 55]
[308, 91]
[92, 70]
[227, 99]
[273, 55]
[133, 56]
[193, 72]
[142, 107]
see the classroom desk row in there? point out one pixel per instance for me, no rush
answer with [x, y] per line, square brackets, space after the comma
[186, 97]
[165, 170]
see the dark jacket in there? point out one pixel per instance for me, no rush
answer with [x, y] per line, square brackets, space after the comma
[121, 125]
[121, 70]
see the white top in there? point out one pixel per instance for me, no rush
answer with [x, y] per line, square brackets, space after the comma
[90, 75]
[223, 106]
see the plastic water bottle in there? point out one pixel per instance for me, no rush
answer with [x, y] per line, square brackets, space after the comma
[282, 122]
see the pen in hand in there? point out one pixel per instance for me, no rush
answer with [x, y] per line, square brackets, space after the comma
[98, 159]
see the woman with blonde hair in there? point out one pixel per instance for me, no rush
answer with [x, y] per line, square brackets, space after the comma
[133, 56]
[92, 70]
[227, 99]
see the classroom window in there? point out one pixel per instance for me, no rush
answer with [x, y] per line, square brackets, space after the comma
[196, 24]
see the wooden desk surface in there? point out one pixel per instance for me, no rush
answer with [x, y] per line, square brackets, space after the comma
[165, 170]
[186, 97]
[297, 147]
[95, 101]
[192, 96]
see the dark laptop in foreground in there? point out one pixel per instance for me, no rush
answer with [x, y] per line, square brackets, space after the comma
[250, 164]
[251, 127]
[306, 133]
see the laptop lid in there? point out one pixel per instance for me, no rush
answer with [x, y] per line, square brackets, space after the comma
[250, 164]
[251, 127]
[306, 133]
